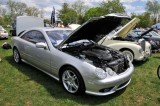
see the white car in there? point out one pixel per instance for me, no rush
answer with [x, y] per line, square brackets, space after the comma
[3, 33]
[134, 50]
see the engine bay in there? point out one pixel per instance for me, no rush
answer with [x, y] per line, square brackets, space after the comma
[98, 55]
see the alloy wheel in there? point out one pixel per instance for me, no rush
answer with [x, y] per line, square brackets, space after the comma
[70, 81]
[128, 54]
[16, 56]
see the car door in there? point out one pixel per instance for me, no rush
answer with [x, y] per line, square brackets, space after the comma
[38, 57]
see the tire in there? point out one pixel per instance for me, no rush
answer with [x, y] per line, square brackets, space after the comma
[72, 81]
[16, 56]
[129, 54]
[158, 71]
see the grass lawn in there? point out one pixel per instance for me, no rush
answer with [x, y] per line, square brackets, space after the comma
[23, 85]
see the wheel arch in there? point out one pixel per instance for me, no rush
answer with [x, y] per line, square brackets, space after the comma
[123, 49]
[14, 47]
[68, 65]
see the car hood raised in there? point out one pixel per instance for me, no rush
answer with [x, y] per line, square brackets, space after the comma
[123, 32]
[95, 28]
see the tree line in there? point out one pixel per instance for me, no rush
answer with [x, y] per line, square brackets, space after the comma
[78, 12]
[82, 13]
[17, 9]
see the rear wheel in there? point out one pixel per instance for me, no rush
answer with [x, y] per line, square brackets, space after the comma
[16, 56]
[72, 81]
[129, 54]
[158, 71]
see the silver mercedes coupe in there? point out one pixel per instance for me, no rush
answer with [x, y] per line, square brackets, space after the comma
[74, 58]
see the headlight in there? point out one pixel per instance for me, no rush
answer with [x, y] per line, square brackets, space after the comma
[100, 73]
[109, 71]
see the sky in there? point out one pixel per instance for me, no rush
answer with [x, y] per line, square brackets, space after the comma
[136, 6]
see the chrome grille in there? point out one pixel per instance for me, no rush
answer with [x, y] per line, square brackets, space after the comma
[143, 43]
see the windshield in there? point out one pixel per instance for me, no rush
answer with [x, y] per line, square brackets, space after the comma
[132, 34]
[57, 36]
[153, 33]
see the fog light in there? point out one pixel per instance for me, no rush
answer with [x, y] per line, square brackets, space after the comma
[106, 90]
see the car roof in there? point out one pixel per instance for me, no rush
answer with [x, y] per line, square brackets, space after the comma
[49, 28]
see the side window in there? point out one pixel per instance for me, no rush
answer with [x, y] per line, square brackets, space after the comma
[27, 36]
[39, 37]
[139, 33]
[34, 37]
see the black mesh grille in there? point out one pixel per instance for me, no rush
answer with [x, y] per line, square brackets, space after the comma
[120, 67]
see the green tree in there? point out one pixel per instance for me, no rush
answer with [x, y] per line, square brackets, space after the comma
[153, 7]
[113, 6]
[80, 8]
[16, 8]
[105, 8]
[1, 20]
[32, 11]
[94, 12]
[145, 20]
[66, 14]
[7, 19]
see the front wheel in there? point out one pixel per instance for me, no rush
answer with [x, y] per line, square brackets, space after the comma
[16, 56]
[129, 54]
[158, 71]
[72, 81]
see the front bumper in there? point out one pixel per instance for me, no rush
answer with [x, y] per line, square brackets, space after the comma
[144, 56]
[110, 85]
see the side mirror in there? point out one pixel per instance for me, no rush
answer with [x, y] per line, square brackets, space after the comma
[41, 45]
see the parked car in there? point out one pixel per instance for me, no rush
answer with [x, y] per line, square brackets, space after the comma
[76, 60]
[150, 36]
[135, 50]
[135, 37]
[3, 33]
